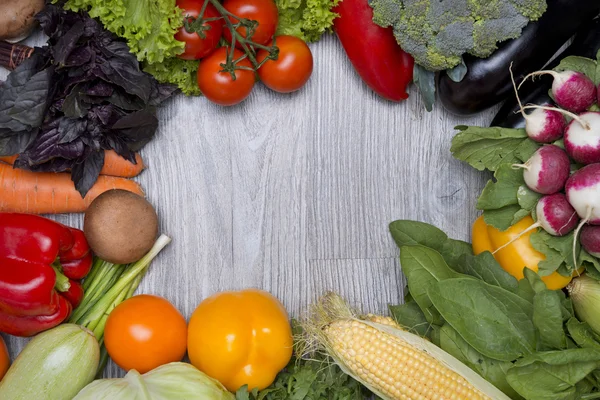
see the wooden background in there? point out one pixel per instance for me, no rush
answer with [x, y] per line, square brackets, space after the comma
[293, 193]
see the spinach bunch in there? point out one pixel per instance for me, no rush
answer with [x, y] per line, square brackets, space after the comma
[79, 95]
[518, 335]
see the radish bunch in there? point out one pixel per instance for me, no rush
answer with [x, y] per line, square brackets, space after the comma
[570, 201]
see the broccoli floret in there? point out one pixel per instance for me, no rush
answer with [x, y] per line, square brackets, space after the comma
[438, 32]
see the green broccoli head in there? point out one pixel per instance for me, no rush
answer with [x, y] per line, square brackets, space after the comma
[438, 32]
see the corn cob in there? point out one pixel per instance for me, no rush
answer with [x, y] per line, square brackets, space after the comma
[393, 363]
[397, 369]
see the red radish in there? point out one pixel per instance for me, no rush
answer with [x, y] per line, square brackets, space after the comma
[542, 125]
[583, 192]
[582, 138]
[547, 170]
[590, 239]
[571, 90]
[555, 215]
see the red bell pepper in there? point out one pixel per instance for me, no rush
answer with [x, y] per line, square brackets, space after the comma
[41, 263]
[373, 50]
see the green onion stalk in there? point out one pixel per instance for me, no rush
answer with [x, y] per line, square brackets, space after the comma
[106, 286]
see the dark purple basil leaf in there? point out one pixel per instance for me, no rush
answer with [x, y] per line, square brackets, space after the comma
[67, 43]
[124, 73]
[32, 102]
[50, 19]
[86, 172]
[18, 143]
[113, 142]
[54, 165]
[70, 129]
[126, 101]
[79, 56]
[100, 89]
[74, 106]
[137, 127]
[46, 146]
[106, 114]
[160, 93]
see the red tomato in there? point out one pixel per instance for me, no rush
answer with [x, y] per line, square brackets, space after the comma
[4, 358]
[197, 47]
[218, 86]
[262, 11]
[292, 68]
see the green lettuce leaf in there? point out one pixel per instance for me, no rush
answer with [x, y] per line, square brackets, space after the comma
[148, 26]
[178, 72]
[306, 19]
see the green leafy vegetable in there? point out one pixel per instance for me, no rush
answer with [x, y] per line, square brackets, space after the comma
[496, 322]
[411, 318]
[148, 26]
[407, 233]
[485, 267]
[437, 33]
[306, 19]
[424, 267]
[553, 374]
[582, 334]
[500, 201]
[178, 72]
[488, 148]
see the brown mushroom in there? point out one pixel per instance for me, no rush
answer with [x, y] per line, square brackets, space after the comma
[17, 18]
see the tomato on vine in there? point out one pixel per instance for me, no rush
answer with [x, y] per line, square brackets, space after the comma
[226, 77]
[263, 12]
[202, 29]
[292, 68]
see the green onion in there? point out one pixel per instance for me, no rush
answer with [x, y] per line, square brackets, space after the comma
[106, 286]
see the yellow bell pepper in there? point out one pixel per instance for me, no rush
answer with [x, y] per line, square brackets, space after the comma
[517, 255]
[240, 338]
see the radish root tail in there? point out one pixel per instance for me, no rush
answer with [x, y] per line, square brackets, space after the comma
[520, 166]
[537, 73]
[512, 78]
[588, 214]
[531, 228]
[576, 117]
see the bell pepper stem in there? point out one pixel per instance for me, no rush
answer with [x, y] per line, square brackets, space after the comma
[62, 282]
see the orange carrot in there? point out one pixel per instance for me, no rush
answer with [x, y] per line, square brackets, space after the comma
[114, 164]
[51, 193]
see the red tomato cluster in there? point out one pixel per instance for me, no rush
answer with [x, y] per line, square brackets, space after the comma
[228, 84]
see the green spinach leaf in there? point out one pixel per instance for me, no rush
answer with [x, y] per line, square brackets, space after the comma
[485, 267]
[488, 148]
[493, 371]
[406, 232]
[548, 319]
[553, 374]
[496, 322]
[424, 267]
[582, 334]
[410, 317]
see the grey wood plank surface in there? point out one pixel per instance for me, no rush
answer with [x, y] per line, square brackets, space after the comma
[293, 193]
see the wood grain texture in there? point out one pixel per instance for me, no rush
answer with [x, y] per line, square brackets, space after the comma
[294, 193]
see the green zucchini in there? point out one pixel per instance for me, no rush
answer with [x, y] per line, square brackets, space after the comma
[54, 365]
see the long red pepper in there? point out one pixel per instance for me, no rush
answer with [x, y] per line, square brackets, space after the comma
[373, 50]
[41, 263]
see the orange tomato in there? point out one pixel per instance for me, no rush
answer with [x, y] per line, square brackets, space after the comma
[145, 332]
[240, 338]
[4, 358]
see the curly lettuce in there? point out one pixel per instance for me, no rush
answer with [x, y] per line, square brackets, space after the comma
[148, 26]
[306, 19]
[178, 72]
